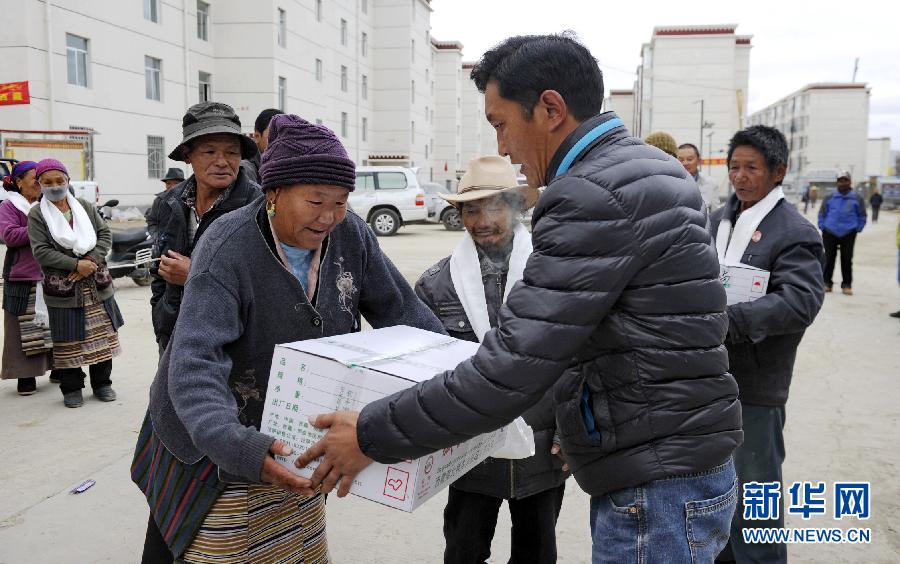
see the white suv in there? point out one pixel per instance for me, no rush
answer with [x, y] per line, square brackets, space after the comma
[388, 197]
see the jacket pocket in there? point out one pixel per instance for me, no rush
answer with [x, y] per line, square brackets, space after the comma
[575, 421]
[102, 277]
[455, 321]
[58, 285]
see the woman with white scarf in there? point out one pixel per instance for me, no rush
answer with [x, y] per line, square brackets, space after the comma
[26, 336]
[70, 241]
[758, 227]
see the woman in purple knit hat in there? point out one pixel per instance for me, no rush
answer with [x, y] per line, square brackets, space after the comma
[70, 241]
[292, 266]
[26, 336]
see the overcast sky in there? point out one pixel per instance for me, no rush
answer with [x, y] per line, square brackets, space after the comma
[794, 42]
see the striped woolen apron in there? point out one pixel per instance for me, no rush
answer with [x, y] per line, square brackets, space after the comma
[261, 523]
[204, 520]
[101, 340]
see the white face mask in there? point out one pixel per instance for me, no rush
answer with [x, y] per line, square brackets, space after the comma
[55, 194]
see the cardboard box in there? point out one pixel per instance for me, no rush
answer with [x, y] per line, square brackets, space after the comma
[346, 372]
[742, 282]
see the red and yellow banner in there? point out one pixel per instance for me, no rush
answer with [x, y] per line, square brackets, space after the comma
[14, 93]
[714, 161]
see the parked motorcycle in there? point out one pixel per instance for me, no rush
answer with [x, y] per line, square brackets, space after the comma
[131, 252]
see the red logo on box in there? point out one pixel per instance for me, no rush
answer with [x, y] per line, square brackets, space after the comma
[757, 287]
[395, 483]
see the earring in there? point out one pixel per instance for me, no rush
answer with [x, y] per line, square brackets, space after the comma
[270, 209]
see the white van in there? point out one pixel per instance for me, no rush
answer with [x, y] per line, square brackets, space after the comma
[388, 197]
[87, 190]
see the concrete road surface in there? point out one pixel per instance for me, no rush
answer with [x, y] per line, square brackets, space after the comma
[843, 424]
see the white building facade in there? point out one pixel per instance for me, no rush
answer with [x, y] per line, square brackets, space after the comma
[826, 125]
[478, 137]
[692, 83]
[879, 157]
[367, 69]
[622, 103]
[447, 112]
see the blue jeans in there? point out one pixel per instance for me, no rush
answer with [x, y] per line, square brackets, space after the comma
[678, 519]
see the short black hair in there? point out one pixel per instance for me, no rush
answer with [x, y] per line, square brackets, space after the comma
[767, 140]
[524, 66]
[263, 119]
[690, 146]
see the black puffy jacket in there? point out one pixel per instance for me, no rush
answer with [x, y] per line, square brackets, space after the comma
[620, 311]
[172, 234]
[495, 477]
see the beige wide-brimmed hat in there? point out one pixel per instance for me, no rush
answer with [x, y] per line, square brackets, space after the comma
[489, 176]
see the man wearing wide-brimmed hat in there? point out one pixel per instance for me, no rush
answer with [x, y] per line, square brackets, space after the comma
[466, 290]
[213, 145]
[174, 176]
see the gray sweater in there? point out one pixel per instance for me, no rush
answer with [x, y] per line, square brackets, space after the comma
[239, 302]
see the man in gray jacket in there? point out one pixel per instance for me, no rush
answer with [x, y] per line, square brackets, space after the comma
[620, 311]
[465, 291]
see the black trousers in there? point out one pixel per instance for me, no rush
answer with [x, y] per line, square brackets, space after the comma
[156, 551]
[758, 459]
[833, 243]
[875, 210]
[72, 379]
[470, 520]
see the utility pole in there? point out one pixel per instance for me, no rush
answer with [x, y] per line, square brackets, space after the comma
[710, 136]
[855, 68]
[702, 122]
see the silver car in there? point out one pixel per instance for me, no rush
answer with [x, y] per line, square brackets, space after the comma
[439, 209]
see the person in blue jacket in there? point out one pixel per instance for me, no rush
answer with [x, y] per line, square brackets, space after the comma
[841, 217]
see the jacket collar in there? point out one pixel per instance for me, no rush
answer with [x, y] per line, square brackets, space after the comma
[241, 193]
[591, 133]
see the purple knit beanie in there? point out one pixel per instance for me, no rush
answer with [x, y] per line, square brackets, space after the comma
[50, 164]
[300, 152]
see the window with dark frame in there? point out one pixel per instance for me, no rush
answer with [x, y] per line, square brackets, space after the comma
[202, 20]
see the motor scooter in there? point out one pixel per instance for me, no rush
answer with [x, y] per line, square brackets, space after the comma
[131, 252]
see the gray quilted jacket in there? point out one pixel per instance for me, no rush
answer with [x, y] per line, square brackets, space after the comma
[495, 477]
[620, 312]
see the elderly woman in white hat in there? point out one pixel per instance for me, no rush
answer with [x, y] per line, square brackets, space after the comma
[466, 290]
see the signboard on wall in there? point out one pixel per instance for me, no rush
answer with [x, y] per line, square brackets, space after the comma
[12, 93]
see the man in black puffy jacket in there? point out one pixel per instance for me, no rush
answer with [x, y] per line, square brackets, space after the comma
[620, 311]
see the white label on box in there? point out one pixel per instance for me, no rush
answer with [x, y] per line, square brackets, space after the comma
[742, 282]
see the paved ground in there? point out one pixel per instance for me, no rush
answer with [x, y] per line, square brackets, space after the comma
[843, 420]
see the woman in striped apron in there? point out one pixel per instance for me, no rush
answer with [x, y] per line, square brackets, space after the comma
[26, 338]
[70, 241]
[294, 266]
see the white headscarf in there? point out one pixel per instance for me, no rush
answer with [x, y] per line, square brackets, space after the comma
[20, 202]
